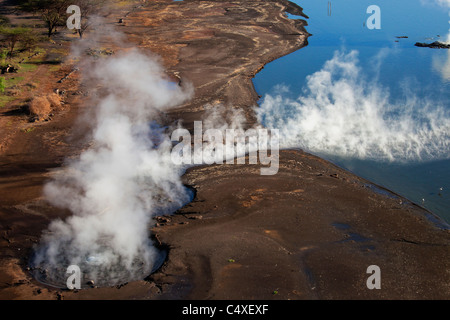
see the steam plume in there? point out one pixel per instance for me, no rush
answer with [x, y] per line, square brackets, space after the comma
[124, 178]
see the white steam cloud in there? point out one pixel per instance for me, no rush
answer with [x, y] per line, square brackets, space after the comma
[442, 3]
[222, 137]
[442, 66]
[445, 4]
[447, 40]
[127, 176]
[343, 113]
[115, 187]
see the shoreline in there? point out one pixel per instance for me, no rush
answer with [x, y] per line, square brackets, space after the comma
[365, 236]
[417, 178]
[308, 232]
[434, 218]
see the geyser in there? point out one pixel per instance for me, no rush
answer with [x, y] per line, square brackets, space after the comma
[117, 185]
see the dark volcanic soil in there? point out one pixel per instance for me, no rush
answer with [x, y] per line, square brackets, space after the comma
[308, 232]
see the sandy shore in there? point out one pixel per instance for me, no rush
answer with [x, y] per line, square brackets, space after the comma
[308, 232]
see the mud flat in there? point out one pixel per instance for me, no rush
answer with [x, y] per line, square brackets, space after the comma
[308, 232]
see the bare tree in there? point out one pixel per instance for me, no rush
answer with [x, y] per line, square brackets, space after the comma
[53, 12]
[89, 9]
[11, 36]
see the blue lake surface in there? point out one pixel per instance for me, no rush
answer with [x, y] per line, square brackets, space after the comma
[368, 99]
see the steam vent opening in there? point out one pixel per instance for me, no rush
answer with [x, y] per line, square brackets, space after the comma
[96, 269]
[100, 261]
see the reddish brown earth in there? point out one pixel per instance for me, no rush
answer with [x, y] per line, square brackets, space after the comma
[308, 232]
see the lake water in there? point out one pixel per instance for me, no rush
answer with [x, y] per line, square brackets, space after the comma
[368, 99]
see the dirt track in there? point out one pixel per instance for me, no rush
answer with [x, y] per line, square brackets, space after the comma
[309, 232]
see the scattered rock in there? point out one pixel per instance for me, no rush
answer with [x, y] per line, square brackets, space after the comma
[13, 92]
[97, 53]
[68, 75]
[196, 217]
[121, 285]
[8, 69]
[160, 221]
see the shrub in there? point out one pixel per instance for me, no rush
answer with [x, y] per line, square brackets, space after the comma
[11, 36]
[55, 101]
[42, 106]
[29, 41]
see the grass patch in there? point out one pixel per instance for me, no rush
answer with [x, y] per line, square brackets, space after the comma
[7, 84]
[4, 99]
[13, 81]
[53, 68]
[60, 51]
[27, 67]
[24, 59]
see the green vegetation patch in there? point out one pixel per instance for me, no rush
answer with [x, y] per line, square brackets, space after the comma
[13, 81]
[4, 99]
[27, 67]
[28, 130]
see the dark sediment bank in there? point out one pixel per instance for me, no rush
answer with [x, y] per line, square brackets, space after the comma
[308, 232]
